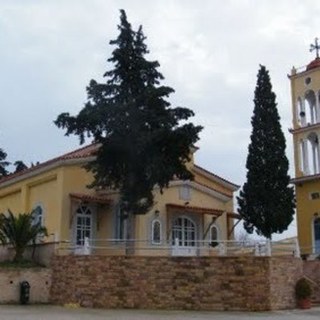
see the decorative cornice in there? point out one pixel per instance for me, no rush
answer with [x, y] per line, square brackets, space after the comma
[227, 184]
[205, 189]
[305, 178]
[305, 128]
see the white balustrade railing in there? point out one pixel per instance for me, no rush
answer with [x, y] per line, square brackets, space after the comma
[177, 247]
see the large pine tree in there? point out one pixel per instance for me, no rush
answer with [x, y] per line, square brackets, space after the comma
[266, 201]
[143, 144]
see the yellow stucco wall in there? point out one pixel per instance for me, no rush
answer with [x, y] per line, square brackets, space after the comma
[51, 189]
[25, 195]
[306, 208]
[11, 200]
[171, 195]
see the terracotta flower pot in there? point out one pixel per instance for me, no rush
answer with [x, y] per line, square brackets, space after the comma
[304, 303]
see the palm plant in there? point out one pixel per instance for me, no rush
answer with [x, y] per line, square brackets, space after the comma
[20, 231]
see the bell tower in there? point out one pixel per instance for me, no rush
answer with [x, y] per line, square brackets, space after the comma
[305, 93]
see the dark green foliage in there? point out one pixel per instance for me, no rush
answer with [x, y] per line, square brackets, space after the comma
[20, 166]
[303, 289]
[19, 231]
[3, 164]
[266, 202]
[142, 143]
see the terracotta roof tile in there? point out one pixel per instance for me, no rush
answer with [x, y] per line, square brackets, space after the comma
[90, 198]
[84, 152]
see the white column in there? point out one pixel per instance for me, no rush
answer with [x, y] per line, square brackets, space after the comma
[222, 249]
[296, 249]
[86, 246]
[317, 109]
[312, 112]
[268, 248]
[303, 109]
[314, 158]
[305, 157]
[318, 157]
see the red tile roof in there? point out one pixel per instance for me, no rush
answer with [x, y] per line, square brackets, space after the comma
[90, 198]
[314, 64]
[81, 153]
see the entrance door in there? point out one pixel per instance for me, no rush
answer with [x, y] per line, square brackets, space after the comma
[83, 227]
[183, 237]
[316, 230]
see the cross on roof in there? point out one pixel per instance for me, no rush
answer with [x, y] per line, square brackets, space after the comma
[315, 46]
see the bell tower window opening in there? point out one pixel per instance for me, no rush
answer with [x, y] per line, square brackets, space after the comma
[310, 107]
[310, 155]
[301, 113]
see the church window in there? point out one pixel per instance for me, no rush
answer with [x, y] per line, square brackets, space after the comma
[156, 231]
[307, 80]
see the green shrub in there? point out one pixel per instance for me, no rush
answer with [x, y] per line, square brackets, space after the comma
[303, 289]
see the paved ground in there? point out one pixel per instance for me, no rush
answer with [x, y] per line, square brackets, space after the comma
[59, 313]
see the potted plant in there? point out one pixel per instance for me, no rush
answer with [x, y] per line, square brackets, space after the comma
[303, 293]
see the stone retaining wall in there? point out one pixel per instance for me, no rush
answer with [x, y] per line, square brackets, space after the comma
[311, 270]
[197, 283]
[38, 278]
[284, 274]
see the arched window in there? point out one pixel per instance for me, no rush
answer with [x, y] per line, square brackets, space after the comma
[37, 214]
[83, 224]
[213, 236]
[156, 232]
[313, 153]
[310, 107]
[301, 113]
[184, 232]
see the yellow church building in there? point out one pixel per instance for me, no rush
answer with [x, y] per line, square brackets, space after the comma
[186, 214]
[305, 91]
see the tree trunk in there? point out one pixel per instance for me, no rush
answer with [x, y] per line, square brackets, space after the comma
[130, 233]
[19, 254]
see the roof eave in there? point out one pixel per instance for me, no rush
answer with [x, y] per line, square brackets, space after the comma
[45, 168]
[227, 184]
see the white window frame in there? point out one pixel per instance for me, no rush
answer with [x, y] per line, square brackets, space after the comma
[185, 192]
[186, 235]
[83, 228]
[36, 216]
[157, 242]
[213, 242]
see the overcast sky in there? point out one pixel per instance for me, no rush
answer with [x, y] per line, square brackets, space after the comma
[209, 52]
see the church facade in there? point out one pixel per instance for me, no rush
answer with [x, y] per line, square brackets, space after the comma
[187, 214]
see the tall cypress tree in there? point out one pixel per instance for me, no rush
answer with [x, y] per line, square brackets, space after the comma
[143, 144]
[266, 201]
